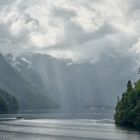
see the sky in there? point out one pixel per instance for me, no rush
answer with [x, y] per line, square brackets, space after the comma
[75, 29]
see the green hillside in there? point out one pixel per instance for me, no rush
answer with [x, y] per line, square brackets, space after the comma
[128, 108]
[8, 103]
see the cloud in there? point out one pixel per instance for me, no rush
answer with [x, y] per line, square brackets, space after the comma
[76, 29]
[5, 2]
[133, 4]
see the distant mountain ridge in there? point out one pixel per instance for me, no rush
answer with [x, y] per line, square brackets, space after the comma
[27, 96]
[76, 85]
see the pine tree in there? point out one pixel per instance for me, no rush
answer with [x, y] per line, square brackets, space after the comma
[129, 86]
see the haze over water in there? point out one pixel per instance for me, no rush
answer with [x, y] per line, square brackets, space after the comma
[96, 124]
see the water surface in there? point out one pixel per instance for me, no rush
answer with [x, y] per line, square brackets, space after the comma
[91, 125]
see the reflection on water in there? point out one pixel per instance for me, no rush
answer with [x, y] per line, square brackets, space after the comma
[65, 126]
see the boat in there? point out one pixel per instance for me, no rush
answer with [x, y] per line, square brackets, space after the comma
[19, 117]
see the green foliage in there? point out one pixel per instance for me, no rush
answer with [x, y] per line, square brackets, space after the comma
[3, 106]
[8, 103]
[129, 86]
[128, 108]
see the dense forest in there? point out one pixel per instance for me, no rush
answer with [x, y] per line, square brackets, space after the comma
[128, 108]
[8, 103]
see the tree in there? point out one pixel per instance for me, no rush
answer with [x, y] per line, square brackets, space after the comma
[8, 103]
[3, 106]
[127, 111]
[129, 86]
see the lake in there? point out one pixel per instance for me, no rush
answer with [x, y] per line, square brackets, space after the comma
[95, 124]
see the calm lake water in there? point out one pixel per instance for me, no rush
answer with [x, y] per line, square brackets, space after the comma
[95, 124]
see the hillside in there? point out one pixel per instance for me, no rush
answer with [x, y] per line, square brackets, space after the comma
[128, 108]
[27, 96]
[76, 85]
[8, 103]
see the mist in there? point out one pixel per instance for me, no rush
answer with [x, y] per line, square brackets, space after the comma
[83, 51]
[76, 86]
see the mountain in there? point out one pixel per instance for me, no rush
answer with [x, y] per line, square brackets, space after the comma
[27, 96]
[76, 85]
[8, 103]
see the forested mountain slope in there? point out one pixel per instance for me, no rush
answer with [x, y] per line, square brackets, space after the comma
[128, 108]
[27, 96]
[8, 103]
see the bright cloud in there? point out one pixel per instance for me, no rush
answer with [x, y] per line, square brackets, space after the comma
[76, 29]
